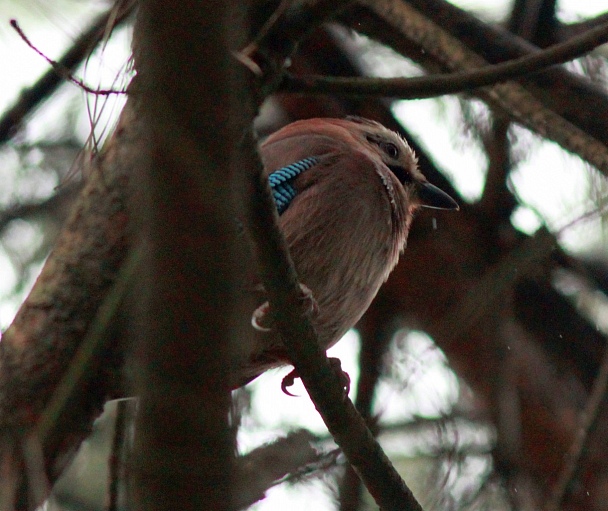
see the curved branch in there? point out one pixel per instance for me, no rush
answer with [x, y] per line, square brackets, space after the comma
[566, 31]
[512, 98]
[572, 96]
[438, 85]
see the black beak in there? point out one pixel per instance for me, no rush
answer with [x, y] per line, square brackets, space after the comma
[432, 197]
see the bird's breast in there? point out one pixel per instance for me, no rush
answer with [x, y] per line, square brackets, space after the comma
[344, 241]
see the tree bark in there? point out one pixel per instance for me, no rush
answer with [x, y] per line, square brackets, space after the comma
[189, 96]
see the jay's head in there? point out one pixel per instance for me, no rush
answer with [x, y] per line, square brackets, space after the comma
[354, 139]
[399, 157]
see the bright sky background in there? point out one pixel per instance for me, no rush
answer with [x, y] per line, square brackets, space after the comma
[553, 182]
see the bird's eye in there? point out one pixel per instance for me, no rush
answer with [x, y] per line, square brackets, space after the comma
[390, 149]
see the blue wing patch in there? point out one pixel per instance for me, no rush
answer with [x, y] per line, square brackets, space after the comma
[281, 182]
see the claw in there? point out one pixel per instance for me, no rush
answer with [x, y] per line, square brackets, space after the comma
[311, 305]
[262, 322]
[260, 316]
[336, 366]
[288, 381]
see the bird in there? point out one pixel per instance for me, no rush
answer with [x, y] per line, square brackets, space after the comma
[346, 191]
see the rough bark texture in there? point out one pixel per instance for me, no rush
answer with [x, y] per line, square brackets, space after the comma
[187, 111]
[39, 346]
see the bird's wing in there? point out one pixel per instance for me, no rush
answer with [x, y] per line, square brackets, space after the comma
[281, 182]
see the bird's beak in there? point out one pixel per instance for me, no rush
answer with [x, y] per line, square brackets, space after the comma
[432, 197]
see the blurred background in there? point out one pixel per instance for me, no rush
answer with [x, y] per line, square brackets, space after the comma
[484, 351]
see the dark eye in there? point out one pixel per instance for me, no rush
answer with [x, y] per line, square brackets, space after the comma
[390, 149]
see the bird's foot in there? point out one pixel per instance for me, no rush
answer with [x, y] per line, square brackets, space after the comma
[336, 366]
[343, 376]
[261, 319]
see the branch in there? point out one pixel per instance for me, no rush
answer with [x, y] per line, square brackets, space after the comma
[31, 98]
[586, 421]
[38, 347]
[532, 20]
[566, 31]
[493, 286]
[376, 330]
[193, 102]
[90, 348]
[515, 100]
[263, 467]
[117, 457]
[437, 85]
[555, 322]
[574, 97]
[280, 281]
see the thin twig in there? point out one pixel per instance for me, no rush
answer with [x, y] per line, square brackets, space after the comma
[592, 214]
[115, 468]
[278, 38]
[33, 96]
[38, 485]
[60, 70]
[9, 472]
[586, 421]
[263, 32]
[438, 85]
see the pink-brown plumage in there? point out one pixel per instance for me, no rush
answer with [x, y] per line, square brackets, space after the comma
[349, 221]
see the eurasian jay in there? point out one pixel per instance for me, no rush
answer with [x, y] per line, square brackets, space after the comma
[346, 191]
